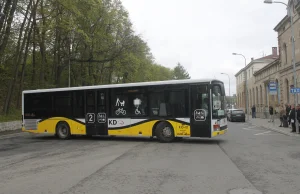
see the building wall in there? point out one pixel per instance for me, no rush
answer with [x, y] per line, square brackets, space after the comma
[260, 85]
[251, 69]
[285, 42]
[285, 54]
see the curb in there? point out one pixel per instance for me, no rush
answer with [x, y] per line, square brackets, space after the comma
[282, 132]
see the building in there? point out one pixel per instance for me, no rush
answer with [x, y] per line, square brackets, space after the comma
[248, 71]
[261, 96]
[278, 69]
[283, 28]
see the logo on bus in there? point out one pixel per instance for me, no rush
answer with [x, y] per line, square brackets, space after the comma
[199, 115]
[115, 122]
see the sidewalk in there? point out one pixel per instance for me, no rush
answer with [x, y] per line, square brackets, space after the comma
[274, 126]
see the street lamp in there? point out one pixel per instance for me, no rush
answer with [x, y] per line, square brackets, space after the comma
[246, 93]
[229, 89]
[293, 54]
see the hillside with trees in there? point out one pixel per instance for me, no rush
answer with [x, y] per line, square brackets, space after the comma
[41, 41]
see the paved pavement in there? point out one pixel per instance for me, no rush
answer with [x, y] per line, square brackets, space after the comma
[269, 160]
[273, 126]
[248, 159]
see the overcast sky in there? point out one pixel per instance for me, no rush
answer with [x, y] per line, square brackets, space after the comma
[202, 35]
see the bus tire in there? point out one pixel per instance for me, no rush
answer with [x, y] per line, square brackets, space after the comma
[164, 132]
[63, 130]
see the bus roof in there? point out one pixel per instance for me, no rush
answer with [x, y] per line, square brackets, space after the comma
[136, 84]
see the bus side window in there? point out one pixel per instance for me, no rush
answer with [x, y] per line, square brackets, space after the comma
[176, 103]
[162, 110]
[156, 98]
[120, 105]
[137, 104]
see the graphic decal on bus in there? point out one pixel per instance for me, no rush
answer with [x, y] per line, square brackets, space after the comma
[199, 115]
[120, 103]
[120, 111]
[123, 123]
[137, 102]
[90, 117]
[101, 117]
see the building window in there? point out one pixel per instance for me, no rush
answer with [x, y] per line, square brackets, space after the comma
[285, 53]
[287, 88]
[278, 91]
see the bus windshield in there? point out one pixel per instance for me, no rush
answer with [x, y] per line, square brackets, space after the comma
[218, 106]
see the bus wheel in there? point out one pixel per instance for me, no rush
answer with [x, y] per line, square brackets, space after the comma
[63, 130]
[164, 132]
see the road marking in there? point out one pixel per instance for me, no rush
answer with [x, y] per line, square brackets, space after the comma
[263, 133]
[251, 128]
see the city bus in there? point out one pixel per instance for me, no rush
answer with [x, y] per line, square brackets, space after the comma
[166, 110]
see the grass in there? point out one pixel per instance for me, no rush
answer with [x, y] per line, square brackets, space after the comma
[14, 115]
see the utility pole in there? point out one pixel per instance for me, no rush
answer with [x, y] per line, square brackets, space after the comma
[246, 86]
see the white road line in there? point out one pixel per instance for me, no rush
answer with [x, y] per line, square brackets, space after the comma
[263, 133]
[251, 128]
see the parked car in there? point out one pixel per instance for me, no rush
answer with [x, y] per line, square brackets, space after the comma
[236, 115]
[228, 112]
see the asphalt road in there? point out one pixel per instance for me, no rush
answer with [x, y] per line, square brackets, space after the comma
[246, 160]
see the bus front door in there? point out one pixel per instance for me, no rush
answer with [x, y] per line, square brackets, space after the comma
[200, 115]
[96, 108]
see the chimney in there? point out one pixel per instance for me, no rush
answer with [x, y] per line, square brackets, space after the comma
[274, 51]
[252, 59]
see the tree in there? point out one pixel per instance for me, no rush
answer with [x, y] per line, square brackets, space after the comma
[40, 39]
[180, 72]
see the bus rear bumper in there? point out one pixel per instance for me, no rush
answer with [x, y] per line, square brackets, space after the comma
[217, 133]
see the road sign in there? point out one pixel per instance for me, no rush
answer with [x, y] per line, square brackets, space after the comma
[272, 88]
[295, 90]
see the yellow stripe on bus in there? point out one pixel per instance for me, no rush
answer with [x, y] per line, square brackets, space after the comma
[77, 128]
[49, 126]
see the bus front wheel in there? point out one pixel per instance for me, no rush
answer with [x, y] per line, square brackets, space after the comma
[164, 132]
[63, 130]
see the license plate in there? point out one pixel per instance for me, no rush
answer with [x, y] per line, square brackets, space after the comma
[238, 115]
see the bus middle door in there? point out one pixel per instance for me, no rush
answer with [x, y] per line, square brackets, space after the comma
[96, 109]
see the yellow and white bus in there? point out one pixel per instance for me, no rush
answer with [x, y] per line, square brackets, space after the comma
[162, 109]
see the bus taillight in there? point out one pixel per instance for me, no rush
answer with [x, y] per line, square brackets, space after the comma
[216, 127]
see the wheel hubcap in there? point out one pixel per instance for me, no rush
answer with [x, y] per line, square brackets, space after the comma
[63, 131]
[167, 132]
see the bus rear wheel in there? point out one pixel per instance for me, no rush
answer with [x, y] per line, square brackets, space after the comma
[63, 130]
[164, 132]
